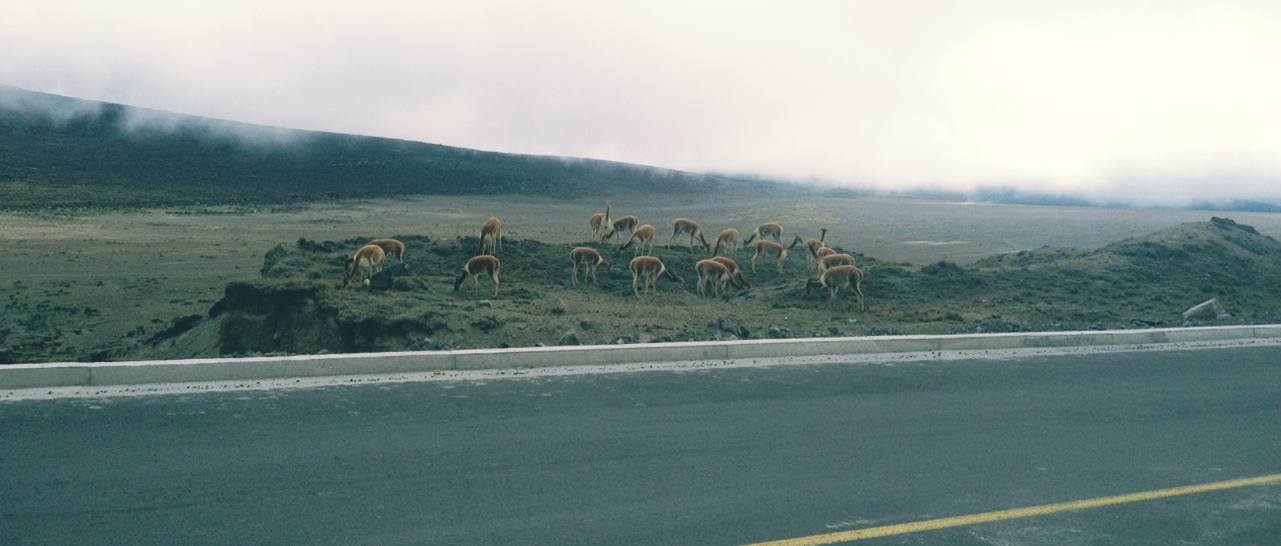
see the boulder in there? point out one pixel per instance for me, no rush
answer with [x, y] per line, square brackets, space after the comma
[569, 338]
[1207, 310]
[382, 280]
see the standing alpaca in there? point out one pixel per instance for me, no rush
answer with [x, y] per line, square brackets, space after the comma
[600, 221]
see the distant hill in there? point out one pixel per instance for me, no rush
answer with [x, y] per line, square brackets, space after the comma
[1236, 205]
[58, 151]
[1011, 196]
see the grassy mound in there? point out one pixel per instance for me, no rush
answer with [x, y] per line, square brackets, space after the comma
[299, 306]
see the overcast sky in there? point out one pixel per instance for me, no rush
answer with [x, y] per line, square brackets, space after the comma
[1160, 101]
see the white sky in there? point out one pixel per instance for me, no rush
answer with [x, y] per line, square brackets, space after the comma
[1160, 101]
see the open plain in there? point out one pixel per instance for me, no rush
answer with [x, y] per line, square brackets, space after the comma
[118, 285]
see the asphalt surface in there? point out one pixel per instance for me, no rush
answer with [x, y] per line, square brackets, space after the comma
[721, 456]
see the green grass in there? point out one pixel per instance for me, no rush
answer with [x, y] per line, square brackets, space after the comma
[1138, 282]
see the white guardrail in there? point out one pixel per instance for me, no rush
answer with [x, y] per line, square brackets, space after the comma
[82, 374]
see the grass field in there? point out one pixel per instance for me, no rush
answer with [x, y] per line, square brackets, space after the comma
[113, 285]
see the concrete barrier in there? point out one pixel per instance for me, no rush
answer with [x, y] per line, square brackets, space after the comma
[76, 374]
[535, 357]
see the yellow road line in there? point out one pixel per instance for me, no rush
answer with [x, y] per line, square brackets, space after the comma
[930, 525]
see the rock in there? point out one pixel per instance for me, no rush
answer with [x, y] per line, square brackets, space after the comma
[879, 331]
[427, 344]
[569, 338]
[1207, 310]
[409, 284]
[382, 280]
[486, 323]
[1227, 223]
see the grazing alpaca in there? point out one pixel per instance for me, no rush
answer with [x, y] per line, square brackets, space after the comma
[837, 277]
[768, 229]
[367, 259]
[643, 238]
[728, 240]
[491, 236]
[833, 260]
[590, 259]
[391, 247]
[628, 223]
[765, 246]
[485, 264]
[690, 227]
[735, 272]
[650, 269]
[715, 273]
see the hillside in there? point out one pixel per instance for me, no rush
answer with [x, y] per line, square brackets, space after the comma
[1145, 280]
[63, 152]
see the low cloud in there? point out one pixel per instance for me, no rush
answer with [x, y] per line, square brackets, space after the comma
[1148, 102]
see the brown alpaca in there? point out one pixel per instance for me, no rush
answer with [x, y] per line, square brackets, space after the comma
[765, 246]
[735, 272]
[491, 236]
[682, 226]
[838, 277]
[813, 246]
[643, 238]
[728, 240]
[590, 259]
[714, 273]
[628, 223]
[768, 229]
[367, 259]
[600, 221]
[833, 260]
[650, 269]
[485, 264]
[391, 247]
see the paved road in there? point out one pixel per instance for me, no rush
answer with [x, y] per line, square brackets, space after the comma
[725, 456]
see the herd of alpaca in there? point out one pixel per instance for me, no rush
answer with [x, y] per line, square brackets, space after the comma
[717, 272]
